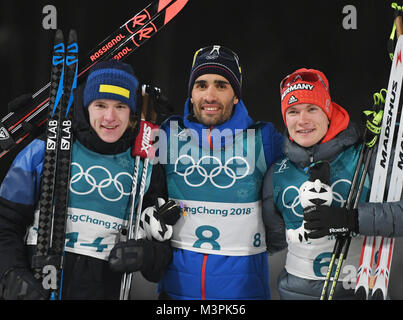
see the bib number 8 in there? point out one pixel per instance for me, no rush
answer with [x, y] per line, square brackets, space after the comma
[209, 234]
[212, 235]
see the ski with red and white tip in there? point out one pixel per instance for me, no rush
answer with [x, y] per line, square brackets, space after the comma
[391, 138]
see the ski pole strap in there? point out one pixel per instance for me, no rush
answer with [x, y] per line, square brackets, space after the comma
[374, 118]
[374, 125]
[374, 121]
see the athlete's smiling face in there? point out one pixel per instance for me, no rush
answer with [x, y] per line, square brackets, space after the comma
[109, 118]
[307, 124]
[213, 99]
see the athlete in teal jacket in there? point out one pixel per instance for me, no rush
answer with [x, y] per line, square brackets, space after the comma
[319, 133]
[216, 158]
[99, 197]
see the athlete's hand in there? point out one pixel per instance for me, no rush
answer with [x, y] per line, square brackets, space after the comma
[323, 220]
[127, 256]
[20, 284]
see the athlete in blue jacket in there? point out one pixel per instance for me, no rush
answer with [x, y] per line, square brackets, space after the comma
[216, 158]
[100, 187]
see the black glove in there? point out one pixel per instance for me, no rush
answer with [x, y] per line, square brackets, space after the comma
[169, 212]
[323, 220]
[128, 256]
[20, 284]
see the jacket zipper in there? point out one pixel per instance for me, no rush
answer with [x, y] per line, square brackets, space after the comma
[203, 277]
[209, 138]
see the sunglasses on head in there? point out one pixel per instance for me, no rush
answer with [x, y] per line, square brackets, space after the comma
[303, 76]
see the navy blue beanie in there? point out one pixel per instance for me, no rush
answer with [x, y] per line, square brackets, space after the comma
[217, 60]
[111, 80]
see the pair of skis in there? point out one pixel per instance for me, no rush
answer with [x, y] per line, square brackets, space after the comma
[17, 127]
[47, 261]
[390, 140]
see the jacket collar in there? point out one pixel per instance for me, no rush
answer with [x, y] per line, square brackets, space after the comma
[303, 157]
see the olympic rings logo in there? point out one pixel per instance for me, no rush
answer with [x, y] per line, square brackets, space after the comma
[336, 197]
[105, 183]
[213, 173]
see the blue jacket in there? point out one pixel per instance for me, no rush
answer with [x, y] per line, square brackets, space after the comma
[201, 268]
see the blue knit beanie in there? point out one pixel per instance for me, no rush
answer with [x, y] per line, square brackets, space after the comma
[111, 80]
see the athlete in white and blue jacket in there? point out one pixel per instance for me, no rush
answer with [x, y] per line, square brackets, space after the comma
[99, 197]
[216, 158]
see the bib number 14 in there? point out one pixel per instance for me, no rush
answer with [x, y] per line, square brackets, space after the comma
[72, 239]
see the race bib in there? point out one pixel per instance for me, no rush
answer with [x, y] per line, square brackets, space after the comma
[88, 232]
[310, 260]
[233, 229]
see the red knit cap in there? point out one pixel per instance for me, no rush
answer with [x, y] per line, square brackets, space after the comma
[305, 86]
[311, 86]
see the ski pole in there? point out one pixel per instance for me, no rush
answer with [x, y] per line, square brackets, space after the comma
[142, 150]
[347, 240]
[370, 137]
[340, 240]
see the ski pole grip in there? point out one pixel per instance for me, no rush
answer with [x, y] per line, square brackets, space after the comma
[143, 145]
[147, 111]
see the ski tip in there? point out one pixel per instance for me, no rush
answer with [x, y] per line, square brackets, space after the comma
[162, 4]
[59, 35]
[361, 294]
[174, 9]
[72, 35]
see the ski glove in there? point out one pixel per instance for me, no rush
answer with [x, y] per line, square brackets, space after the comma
[323, 220]
[20, 284]
[156, 222]
[169, 212]
[128, 256]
